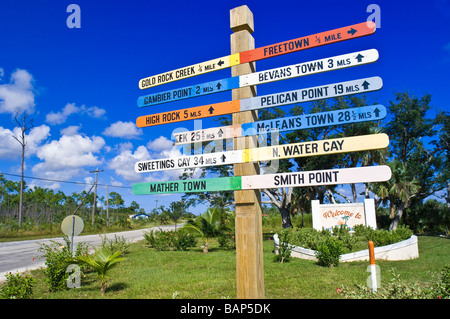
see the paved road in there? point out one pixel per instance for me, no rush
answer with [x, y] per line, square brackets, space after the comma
[17, 256]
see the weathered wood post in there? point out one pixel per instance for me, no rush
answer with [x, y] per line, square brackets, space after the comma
[249, 250]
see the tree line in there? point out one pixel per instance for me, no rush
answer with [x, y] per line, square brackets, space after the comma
[47, 206]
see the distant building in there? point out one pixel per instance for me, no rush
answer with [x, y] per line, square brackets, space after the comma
[139, 216]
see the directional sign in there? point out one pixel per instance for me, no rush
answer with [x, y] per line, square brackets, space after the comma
[300, 122]
[315, 178]
[267, 76]
[303, 149]
[265, 101]
[298, 179]
[307, 42]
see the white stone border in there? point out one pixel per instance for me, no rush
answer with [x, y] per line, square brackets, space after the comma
[403, 250]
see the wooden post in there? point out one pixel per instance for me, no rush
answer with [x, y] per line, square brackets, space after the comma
[249, 250]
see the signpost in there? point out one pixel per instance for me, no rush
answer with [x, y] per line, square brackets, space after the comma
[268, 153]
[367, 174]
[72, 226]
[300, 122]
[295, 45]
[267, 76]
[265, 101]
[247, 182]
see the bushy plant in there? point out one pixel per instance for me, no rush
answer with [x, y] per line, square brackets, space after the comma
[17, 286]
[168, 240]
[56, 257]
[313, 239]
[382, 237]
[396, 288]
[116, 244]
[329, 252]
[227, 240]
[284, 252]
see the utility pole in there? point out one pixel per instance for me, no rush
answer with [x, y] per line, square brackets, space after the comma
[94, 205]
[107, 206]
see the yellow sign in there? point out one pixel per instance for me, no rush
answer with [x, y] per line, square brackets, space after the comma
[189, 71]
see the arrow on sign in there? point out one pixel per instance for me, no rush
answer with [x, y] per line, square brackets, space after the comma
[261, 102]
[299, 44]
[267, 76]
[377, 112]
[351, 31]
[367, 174]
[269, 153]
[366, 85]
[359, 57]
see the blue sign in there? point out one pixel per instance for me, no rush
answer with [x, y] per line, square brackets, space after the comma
[306, 121]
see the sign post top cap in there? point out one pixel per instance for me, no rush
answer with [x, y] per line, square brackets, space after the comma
[241, 18]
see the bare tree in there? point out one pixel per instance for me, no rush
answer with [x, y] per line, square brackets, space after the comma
[25, 124]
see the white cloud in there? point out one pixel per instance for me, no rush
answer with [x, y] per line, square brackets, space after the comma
[64, 158]
[121, 129]
[123, 164]
[160, 144]
[60, 117]
[17, 96]
[10, 147]
[70, 130]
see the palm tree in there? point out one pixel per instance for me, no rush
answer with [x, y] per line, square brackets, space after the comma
[101, 261]
[399, 191]
[207, 225]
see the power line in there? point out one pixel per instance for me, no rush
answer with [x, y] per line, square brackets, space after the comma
[61, 181]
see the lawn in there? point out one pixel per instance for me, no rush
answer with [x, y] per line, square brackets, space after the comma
[147, 273]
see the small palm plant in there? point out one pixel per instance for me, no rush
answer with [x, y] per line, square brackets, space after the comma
[207, 225]
[101, 261]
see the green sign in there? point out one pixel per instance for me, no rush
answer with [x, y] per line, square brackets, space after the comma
[188, 186]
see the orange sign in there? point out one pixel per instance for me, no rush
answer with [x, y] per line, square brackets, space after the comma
[192, 113]
[310, 41]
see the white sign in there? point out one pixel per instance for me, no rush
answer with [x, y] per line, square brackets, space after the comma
[323, 177]
[327, 216]
[310, 67]
[190, 161]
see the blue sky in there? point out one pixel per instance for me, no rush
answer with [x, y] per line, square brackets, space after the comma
[80, 85]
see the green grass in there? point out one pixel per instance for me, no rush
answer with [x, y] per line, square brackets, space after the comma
[147, 273]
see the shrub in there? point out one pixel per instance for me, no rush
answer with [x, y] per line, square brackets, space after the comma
[17, 287]
[284, 252]
[56, 262]
[227, 240]
[312, 238]
[167, 240]
[118, 244]
[382, 237]
[398, 289]
[329, 252]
